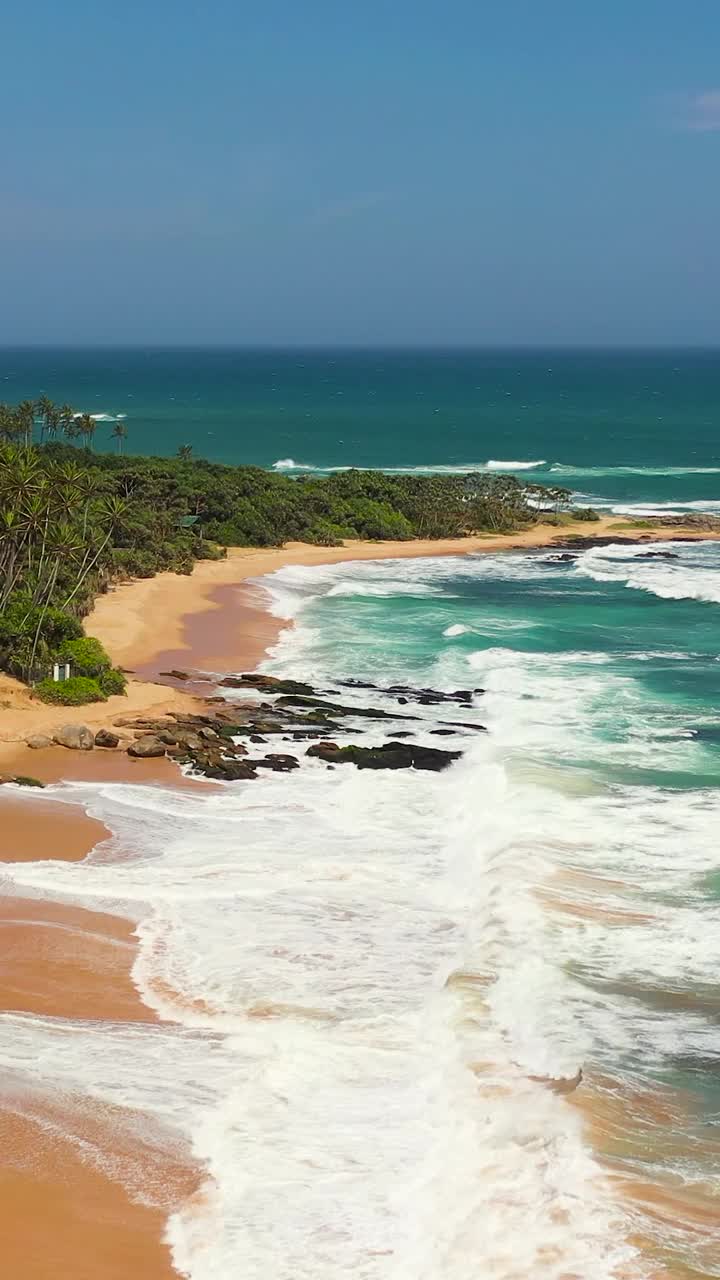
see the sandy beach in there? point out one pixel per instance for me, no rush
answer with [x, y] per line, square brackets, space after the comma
[66, 962]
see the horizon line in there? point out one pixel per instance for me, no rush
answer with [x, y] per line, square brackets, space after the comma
[360, 347]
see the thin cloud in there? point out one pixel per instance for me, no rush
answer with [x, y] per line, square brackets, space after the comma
[700, 112]
[349, 207]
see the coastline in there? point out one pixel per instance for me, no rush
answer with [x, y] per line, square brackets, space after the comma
[66, 962]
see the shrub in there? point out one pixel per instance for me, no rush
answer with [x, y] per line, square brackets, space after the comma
[70, 693]
[585, 513]
[325, 534]
[111, 680]
[377, 520]
[87, 656]
[134, 564]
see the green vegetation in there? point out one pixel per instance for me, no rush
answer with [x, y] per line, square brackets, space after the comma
[74, 692]
[72, 519]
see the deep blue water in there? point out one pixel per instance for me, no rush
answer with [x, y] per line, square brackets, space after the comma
[587, 415]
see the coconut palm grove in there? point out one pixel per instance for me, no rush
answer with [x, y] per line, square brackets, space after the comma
[76, 513]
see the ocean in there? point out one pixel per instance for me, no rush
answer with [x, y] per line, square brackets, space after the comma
[633, 428]
[367, 980]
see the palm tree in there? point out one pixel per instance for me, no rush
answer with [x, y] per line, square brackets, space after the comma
[119, 433]
[184, 453]
[25, 413]
[87, 426]
[66, 420]
[45, 409]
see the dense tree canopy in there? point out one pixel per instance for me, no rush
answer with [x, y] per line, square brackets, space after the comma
[73, 518]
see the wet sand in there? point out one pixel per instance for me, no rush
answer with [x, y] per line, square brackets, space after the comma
[165, 621]
[61, 1218]
[66, 962]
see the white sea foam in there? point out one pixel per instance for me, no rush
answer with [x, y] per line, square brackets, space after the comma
[362, 977]
[694, 575]
[103, 417]
[440, 468]
[708, 507]
[498, 464]
[493, 464]
[572, 469]
[340, 925]
[384, 589]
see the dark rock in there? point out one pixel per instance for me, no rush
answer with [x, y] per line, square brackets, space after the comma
[429, 697]
[280, 763]
[105, 738]
[267, 684]
[391, 755]
[319, 706]
[77, 737]
[20, 780]
[403, 701]
[146, 748]
[465, 724]
[175, 675]
[257, 737]
[405, 733]
[228, 770]
[357, 684]
[442, 733]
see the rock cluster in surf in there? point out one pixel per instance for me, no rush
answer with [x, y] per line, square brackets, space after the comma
[222, 744]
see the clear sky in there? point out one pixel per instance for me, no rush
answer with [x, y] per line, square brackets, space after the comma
[360, 171]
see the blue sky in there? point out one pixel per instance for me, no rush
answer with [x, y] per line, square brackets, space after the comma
[338, 171]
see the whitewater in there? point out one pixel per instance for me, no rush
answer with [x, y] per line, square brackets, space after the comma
[367, 980]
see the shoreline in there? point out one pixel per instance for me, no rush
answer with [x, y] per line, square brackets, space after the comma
[216, 620]
[66, 962]
[206, 626]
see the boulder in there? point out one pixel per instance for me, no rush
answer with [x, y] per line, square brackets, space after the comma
[20, 780]
[391, 755]
[146, 748]
[226, 770]
[277, 762]
[175, 675]
[77, 737]
[38, 740]
[267, 684]
[320, 707]
[106, 738]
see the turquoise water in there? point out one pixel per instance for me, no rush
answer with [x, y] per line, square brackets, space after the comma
[590, 416]
[596, 793]
[367, 980]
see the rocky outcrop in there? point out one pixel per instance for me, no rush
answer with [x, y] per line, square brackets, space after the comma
[391, 755]
[106, 738]
[267, 684]
[405, 693]
[20, 780]
[224, 743]
[38, 741]
[77, 737]
[147, 747]
[279, 763]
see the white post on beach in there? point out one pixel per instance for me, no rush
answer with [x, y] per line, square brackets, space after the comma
[61, 671]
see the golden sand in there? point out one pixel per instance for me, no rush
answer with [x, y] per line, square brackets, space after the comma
[60, 1215]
